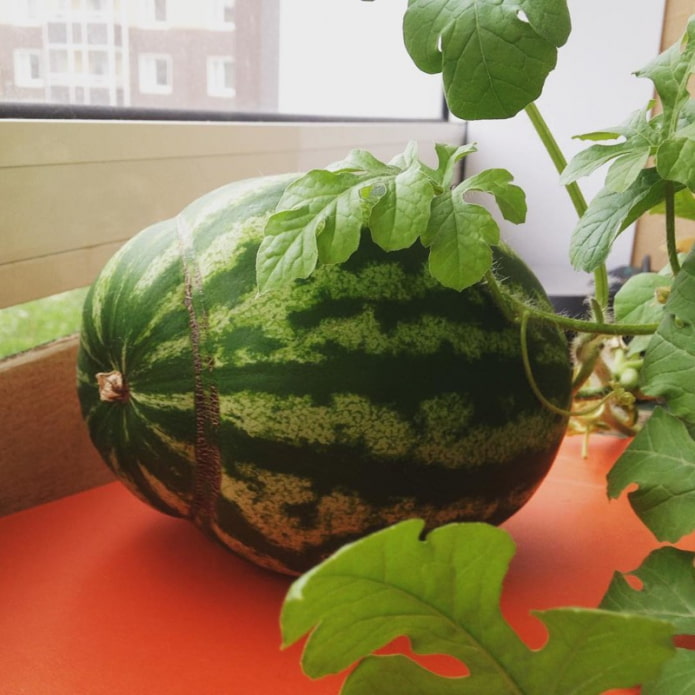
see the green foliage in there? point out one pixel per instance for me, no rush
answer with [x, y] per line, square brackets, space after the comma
[630, 189]
[668, 363]
[667, 592]
[676, 677]
[321, 215]
[684, 205]
[494, 57]
[610, 213]
[443, 593]
[668, 589]
[641, 300]
[661, 460]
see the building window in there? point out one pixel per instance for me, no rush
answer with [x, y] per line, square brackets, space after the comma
[59, 62]
[223, 13]
[98, 65]
[97, 5]
[155, 74]
[28, 68]
[155, 12]
[221, 82]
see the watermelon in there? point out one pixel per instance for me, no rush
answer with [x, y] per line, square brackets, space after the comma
[287, 423]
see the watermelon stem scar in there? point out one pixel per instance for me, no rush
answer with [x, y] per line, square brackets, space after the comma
[112, 387]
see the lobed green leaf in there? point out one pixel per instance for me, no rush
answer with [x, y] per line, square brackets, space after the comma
[641, 137]
[494, 57]
[625, 170]
[684, 205]
[670, 72]
[288, 249]
[403, 211]
[459, 236]
[448, 157]
[676, 677]
[443, 592]
[675, 161]
[608, 214]
[639, 301]
[667, 592]
[589, 160]
[661, 460]
[668, 364]
[510, 198]
[321, 215]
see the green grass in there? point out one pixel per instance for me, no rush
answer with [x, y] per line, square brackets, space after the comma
[27, 325]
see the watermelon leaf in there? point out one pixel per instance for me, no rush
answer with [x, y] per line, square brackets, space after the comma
[661, 460]
[684, 205]
[494, 57]
[670, 72]
[667, 592]
[641, 301]
[288, 249]
[443, 592]
[642, 136]
[676, 677]
[459, 236]
[668, 371]
[448, 157]
[667, 576]
[510, 198]
[676, 161]
[321, 215]
[403, 211]
[608, 214]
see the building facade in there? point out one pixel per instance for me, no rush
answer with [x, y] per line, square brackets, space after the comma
[175, 54]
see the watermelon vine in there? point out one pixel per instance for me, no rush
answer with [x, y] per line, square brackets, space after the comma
[640, 348]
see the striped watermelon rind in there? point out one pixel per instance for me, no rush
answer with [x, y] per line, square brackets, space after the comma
[287, 423]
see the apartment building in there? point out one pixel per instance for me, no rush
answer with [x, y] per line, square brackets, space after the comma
[179, 54]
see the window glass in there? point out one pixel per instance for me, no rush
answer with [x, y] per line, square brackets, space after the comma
[221, 77]
[155, 74]
[308, 57]
[28, 71]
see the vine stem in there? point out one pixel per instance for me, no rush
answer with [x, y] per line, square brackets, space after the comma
[576, 196]
[523, 332]
[669, 200]
[515, 308]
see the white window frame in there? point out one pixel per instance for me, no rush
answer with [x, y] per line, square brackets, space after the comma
[217, 9]
[148, 14]
[147, 73]
[216, 86]
[22, 59]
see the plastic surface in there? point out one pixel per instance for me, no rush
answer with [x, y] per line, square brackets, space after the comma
[102, 595]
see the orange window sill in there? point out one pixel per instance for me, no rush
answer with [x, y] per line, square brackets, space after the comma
[103, 596]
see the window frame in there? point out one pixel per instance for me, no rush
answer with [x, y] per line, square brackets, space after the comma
[22, 67]
[214, 66]
[144, 73]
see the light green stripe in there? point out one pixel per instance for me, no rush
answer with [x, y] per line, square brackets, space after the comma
[180, 402]
[440, 433]
[165, 351]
